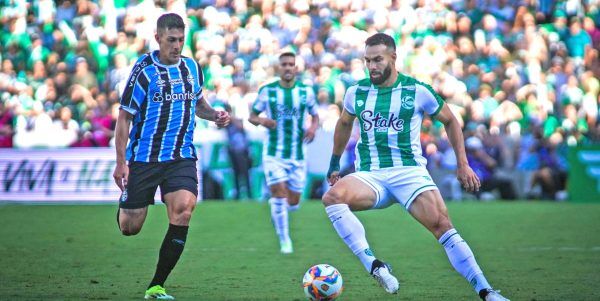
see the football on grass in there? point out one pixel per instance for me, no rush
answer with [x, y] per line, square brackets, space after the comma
[322, 282]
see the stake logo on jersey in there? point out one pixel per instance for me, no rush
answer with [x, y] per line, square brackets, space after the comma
[162, 99]
[390, 121]
[372, 120]
[288, 106]
[284, 112]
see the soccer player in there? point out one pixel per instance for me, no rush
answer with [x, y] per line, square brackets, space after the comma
[285, 102]
[390, 107]
[161, 96]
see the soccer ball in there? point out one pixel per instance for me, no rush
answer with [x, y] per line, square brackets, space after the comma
[322, 282]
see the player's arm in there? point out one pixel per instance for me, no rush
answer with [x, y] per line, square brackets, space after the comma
[258, 120]
[343, 130]
[259, 106]
[207, 112]
[464, 173]
[121, 172]
[309, 135]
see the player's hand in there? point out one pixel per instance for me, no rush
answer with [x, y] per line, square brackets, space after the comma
[268, 123]
[121, 174]
[222, 119]
[468, 179]
[333, 178]
[333, 174]
[309, 135]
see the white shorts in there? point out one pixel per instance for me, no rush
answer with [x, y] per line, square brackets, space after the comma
[285, 170]
[396, 184]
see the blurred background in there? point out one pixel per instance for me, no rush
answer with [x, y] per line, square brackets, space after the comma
[521, 76]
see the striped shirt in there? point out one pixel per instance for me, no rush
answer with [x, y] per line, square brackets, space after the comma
[162, 100]
[390, 121]
[287, 106]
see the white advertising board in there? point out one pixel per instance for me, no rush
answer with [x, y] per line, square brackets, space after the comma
[58, 175]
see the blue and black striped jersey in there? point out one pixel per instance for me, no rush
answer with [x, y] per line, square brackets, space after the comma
[162, 100]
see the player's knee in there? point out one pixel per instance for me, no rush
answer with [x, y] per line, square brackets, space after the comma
[128, 230]
[293, 199]
[183, 217]
[332, 197]
[441, 225]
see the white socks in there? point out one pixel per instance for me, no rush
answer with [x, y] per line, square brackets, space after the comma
[352, 232]
[279, 216]
[462, 259]
[292, 208]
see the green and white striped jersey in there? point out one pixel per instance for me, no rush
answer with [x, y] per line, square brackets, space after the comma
[287, 106]
[390, 121]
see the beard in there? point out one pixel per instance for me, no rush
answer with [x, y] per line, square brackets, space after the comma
[384, 76]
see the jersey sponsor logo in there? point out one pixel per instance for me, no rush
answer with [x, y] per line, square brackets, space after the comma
[408, 102]
[379, 123]
[160, 97]
[284, 112]
[157, 97]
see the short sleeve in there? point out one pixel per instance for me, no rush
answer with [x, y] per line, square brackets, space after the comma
[349, 100]
[135, 89]
[260, 104]
[428, 100]
[311, 102]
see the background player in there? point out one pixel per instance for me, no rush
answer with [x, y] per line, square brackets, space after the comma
[285, 102]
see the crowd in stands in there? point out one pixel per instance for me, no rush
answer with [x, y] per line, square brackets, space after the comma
[522, 76]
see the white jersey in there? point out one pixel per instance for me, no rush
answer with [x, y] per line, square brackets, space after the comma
[287, 106]
[390, 121]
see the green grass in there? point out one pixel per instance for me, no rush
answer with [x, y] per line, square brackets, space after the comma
[529, 250]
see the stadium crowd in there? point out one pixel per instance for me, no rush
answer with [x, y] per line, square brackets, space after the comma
[522, 76]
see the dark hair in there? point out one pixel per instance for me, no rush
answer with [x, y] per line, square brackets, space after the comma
[381, 39]
[168, 21]
[287, 53]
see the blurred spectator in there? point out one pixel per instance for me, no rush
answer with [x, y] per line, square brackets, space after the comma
[83, 76]
[6, 126]
[486, 169]
[549, 174]
[65, 129]
[238, 149]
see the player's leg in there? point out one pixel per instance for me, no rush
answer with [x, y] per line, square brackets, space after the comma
[179, 192]
[295, 184]
[132, 220]
[279, 215]
[139, 193]
[429, 209]
[353, 194]
[277, 175]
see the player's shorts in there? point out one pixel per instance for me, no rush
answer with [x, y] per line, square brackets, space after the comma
[285, 170]
[144, 178]
[396, 184]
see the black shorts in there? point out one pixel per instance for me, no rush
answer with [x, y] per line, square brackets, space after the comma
[144, 178]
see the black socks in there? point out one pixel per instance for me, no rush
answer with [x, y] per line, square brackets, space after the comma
[170, 251]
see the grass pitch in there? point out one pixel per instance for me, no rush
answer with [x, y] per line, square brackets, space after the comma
[529, 250]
